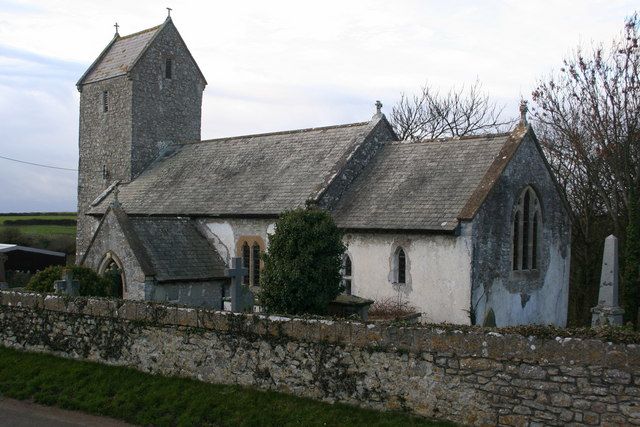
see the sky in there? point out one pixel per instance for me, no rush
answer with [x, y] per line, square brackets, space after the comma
[274, 65]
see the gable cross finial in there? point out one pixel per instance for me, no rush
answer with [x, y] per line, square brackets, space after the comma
[169, 12]
[117, 26]
[523, 112]
[378, 107]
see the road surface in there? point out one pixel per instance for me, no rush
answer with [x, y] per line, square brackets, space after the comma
[17, 413]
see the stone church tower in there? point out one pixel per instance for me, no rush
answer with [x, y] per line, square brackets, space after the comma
[140, 96]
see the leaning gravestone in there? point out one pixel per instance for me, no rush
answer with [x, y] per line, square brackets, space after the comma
[3, 277]
[241, 296]
[607, 312]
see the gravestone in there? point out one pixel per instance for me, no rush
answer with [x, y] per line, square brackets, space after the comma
[67, 285]
[3, 277]
[241, 296]
[607, 312]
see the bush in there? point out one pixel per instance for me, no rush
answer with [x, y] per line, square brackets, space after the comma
[91, 284]
[302, 267]
[390, 308]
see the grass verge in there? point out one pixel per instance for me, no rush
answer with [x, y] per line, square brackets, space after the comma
[146, 399]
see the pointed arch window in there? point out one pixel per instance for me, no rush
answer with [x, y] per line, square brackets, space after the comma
[526, 229]
[400, 264]
[250, 248]
[347, 274]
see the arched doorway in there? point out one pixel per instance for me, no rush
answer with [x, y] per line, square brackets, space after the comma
[111, 268]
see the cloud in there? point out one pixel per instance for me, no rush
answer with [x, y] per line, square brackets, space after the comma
[274, 65]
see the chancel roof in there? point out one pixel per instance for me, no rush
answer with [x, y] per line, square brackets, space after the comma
[424, 185]
[248, 175]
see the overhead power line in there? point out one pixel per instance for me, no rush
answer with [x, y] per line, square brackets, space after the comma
[38, 164]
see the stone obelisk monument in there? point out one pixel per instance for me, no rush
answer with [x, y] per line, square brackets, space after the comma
[607, 312]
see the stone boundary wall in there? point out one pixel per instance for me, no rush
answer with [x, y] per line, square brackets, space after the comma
[468, 377]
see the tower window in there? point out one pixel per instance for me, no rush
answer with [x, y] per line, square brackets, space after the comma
[526, 229]
[168, 68]
[105, 101]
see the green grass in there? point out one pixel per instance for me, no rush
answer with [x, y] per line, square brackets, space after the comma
[41, 230]
[147, 399]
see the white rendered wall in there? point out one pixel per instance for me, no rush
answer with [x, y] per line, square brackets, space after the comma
[225, 233]
[438, 272]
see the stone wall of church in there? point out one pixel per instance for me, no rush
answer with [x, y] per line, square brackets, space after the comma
[438, 280]
[111, 239]
[165, 111]
[466, 375]
[517, 297]
[105, 142]
[147, 112]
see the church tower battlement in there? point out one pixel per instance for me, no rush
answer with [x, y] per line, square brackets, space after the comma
[142, 93]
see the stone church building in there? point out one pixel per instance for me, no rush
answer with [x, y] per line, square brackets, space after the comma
[467, 230]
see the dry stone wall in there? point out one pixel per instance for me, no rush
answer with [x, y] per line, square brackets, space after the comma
[469, 377]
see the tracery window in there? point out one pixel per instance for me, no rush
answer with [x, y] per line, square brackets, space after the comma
[346, 274]
[526, 229]
[250, 248]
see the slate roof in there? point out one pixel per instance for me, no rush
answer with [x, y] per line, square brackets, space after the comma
[119, 56]
[419, 185]
[248, 175]
[176, 250]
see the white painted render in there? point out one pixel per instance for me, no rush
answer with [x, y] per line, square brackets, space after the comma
[543, 306]
[438, 272]
[225, 233]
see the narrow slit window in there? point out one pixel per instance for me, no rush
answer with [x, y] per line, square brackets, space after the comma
[525, 232]
[346, 275]
[534, 252]
[105, 101]
[255, 249]
[168, 68]
[402, 266]
[246, 258]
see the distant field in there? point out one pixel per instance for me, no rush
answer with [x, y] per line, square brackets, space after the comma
[39, 229]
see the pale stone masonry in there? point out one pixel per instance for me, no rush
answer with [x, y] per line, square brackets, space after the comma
[470, 377]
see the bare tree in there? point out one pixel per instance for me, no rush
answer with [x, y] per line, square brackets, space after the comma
[461, 111]
[587, 117]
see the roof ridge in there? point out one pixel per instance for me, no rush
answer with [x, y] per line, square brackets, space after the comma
[284, 132]
[139, 32]
[455, 138]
